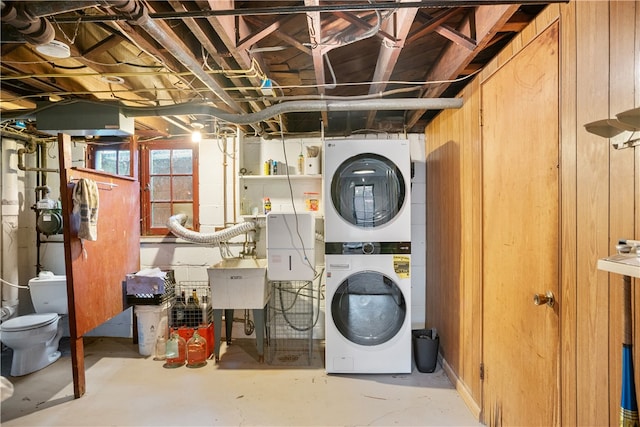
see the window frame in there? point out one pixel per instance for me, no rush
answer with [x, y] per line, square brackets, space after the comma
[145, 179]
[129, 147]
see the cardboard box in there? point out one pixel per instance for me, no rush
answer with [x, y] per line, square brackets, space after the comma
[145, 285]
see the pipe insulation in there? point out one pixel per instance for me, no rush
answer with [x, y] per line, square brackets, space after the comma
[295, 106]
[36, 30]
[9, 237]
[176, 226]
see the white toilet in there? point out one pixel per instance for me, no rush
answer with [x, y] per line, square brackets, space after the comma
[34, 338]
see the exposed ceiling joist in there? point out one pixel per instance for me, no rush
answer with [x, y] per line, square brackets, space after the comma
[389, 54]
[219, 52]
[454, 59]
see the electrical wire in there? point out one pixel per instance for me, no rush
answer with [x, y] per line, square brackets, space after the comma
[13, 285]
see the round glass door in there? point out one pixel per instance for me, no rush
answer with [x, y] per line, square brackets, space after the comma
[368, 190]
[368, 308]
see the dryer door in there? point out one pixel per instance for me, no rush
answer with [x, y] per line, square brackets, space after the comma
[368, 308]
[368, 190]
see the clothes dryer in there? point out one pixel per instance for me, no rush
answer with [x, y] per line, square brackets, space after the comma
[368, 312]
[368, 190]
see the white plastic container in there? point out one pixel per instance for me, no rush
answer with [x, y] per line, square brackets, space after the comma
[149, 322]
[312, 166]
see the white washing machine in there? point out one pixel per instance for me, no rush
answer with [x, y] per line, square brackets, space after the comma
[368, 311]
[367, 185]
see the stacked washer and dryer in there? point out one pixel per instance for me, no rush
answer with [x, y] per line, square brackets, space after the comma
[367, 256]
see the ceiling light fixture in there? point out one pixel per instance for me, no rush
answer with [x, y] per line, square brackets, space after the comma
[116, 80]
[196, 135]
[54, 49]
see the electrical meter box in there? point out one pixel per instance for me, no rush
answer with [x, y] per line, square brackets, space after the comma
[291, 246]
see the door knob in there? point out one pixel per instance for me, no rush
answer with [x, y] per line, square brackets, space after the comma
[548, 298]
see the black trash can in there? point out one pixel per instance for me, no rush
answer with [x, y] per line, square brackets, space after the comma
[425, 349]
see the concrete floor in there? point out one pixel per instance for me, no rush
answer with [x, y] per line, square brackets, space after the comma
[126, 389]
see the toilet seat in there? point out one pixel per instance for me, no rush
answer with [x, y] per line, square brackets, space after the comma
[29, 321]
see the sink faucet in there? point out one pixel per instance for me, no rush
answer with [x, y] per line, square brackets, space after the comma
[249, 245]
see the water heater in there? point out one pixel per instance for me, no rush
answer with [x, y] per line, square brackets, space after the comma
[290, 246]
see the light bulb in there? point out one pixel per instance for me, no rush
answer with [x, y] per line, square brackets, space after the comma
[196, 136]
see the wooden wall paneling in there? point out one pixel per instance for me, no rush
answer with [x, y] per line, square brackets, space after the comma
[592, 316]
[621, 178]
[636, 282]
[443, 239]
[95, 273]
[589, 65]
[471, 192]
[442, 179]
[568, 183]
[453, 270]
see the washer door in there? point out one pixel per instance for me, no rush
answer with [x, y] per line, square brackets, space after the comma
[368, 190]
[368, 308]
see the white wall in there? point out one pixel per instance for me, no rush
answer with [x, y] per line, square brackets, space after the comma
[190, 261]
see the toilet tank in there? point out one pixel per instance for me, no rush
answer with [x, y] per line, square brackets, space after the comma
[49, 293]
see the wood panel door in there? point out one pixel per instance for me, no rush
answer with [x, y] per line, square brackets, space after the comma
[521, 237]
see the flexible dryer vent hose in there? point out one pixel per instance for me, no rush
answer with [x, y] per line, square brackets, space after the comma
[176, 226]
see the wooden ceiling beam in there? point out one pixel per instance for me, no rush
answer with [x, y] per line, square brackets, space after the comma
[455, 58]
[227, 28]
[14, 101]
[315, 38]
[263, 32]
[356, 20]
[431, 23]
[456, 37]
[388, 55]
[104, 45]
[205, 40]
[293, 42]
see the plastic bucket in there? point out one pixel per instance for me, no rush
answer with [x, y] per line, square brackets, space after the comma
[148, 327]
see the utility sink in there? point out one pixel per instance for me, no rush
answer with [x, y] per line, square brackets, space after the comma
[239, 283]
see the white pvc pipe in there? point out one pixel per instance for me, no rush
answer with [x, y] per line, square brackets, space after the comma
[9, 218]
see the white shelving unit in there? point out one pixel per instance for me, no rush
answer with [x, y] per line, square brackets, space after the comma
[284, 192]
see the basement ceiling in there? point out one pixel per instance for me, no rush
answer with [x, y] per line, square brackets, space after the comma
[175, 65]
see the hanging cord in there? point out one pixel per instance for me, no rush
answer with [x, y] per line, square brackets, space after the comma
[286, 162]
[15, 286]
[297, 294]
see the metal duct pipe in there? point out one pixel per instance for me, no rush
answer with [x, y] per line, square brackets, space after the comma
[296, 106]
[176, 226]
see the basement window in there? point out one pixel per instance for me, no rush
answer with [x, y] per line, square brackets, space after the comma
[114, 159]
[169, 182]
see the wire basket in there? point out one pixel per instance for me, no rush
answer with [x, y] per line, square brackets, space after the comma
[290, 322]
[191, 305]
